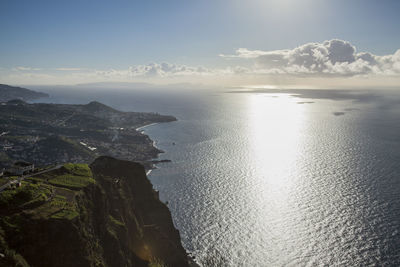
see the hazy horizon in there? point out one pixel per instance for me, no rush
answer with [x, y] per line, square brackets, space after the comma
[277, 44]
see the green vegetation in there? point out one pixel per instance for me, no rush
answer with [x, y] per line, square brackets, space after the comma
[71, 181]
[27, 194]
[114, 226]
[34, 179]
[65, 214]
[115, 221]
[73, 176]
[78, 169]
[49, 195]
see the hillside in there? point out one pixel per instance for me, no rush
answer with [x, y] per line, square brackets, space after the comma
[8, 92]
[48, 133]
[105, 214]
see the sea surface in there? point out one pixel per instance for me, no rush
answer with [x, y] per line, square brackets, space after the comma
[273, 178]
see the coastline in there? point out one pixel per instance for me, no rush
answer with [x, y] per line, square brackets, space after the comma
[149, 163]
[139, 129]
[191, 260]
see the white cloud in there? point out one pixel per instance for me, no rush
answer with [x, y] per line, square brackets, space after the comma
[69, 69]
[166, 69]
[246, 53]
[21, 68]
[309, 64]
[156, 70]
[334, 57]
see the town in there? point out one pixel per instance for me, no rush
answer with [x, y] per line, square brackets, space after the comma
[46, 133]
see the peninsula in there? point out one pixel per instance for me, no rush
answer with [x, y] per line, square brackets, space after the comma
[45, 134]
[8, 93]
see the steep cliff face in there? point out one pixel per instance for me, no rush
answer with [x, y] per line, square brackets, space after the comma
[117, 220]
[128, 217]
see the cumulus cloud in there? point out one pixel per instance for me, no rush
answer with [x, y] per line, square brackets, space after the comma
[310, 63]
[166, 69]
[156, 70]
[334, 57]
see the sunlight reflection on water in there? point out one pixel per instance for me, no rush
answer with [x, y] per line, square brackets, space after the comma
[260, 180]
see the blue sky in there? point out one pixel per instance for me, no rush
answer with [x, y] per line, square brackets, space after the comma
[105, 35]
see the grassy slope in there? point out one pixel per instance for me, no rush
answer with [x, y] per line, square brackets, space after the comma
[51, 194]
[45, 197]
[77, 176]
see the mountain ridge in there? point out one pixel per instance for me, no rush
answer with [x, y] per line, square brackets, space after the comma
[8, 92]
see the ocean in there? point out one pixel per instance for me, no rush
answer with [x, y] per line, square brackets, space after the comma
[276, 178]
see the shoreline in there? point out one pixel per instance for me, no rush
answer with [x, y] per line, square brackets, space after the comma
[191, 260]
[152, 165]
[139, 129]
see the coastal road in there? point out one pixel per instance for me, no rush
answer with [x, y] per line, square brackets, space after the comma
[19, 179]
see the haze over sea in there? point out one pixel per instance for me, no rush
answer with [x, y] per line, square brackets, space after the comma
[272, 179]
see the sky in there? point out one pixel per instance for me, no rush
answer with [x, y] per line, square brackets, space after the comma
[270, 43]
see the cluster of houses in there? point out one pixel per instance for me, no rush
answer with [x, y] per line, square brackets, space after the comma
[8, 146]
[19, 168]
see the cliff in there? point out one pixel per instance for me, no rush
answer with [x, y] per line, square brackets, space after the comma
[108, 215]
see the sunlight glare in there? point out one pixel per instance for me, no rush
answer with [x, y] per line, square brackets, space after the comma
[275, 128]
